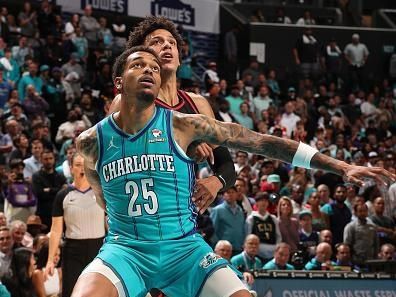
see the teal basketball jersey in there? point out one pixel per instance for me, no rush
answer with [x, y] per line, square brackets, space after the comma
[147, 181]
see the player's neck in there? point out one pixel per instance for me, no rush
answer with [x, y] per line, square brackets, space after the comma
[132, 118]
[168, 91]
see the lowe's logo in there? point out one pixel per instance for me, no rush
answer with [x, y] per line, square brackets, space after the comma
[174, 10]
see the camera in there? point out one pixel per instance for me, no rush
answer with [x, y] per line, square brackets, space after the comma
[19, 178]
[273, 197]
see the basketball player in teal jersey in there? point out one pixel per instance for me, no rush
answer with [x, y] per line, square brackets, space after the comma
[136, 162]
[160, 34]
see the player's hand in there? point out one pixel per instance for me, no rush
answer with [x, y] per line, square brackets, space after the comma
[203, 152]
[49, 270]
[205, 192]
[248, 277]
[358, 174]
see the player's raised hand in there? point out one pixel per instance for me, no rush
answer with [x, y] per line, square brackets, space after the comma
[358, 174]
[205, 192]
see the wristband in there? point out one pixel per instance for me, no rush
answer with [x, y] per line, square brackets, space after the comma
[302, 157]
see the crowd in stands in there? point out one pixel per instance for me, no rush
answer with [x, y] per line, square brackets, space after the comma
[56, 81]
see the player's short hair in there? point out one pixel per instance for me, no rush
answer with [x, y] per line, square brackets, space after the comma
[119, 65]
[138, 35]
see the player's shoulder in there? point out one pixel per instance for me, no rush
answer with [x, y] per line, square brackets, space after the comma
[86, 142]
[202, 104]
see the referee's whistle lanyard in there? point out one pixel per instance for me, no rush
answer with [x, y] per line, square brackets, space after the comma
[247, 260]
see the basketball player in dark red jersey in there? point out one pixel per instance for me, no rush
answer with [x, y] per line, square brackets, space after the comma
[161, 35]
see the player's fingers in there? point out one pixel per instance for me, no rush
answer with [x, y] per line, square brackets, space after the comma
[199, 154]
[354, 180]
[211, 156]
[205, 206]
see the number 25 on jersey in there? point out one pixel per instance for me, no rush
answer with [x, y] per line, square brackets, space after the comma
[132, 189]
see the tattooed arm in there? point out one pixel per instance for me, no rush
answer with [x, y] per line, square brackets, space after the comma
[87, 146]
[202, 128]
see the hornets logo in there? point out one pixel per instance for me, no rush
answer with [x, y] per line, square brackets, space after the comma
[208, 260]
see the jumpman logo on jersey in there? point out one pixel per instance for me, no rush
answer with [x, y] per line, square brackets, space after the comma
[111, 144]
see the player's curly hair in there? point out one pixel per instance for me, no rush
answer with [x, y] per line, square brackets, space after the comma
[150, 24]
[120, 62]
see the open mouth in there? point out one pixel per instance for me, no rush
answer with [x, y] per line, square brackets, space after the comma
[146, 80]
[166, 56]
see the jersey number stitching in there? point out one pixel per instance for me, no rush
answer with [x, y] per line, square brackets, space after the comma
[132, 189]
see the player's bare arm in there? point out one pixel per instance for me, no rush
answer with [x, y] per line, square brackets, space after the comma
[202, 128]
[87, 146]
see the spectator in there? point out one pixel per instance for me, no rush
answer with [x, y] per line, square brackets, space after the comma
[326, 236]
[343, 257]
[386, 228]
[34, 228]
[50, 286]
[21, 147]
[243, 117]
[27, 19]
[243, 200]
[21, 51]
[66, 129]
[70, 27]
[257, 16]
[248, 260]
[89, 26]
[387, 252]
[46, 19]
[261, 102]
[333, 61]
[320, 220]
[338, 213]
[306, 19]
[324, 194]
[11, 71]
[19, 282]
[74, 73]
[289, 118]
[210, 75]
[288, 225]
[120, 34]
[224, 114]
[20, 202]
[280, 17]
[64, 168]
[33, 163]
[30, 79]
[6, 244]
[18, 230]
[273, 83]
[34, 105]
[46, 183]
[75, 208]
[265, 226]
[321, 261]
[361, 236]
[228, 220]
[356, 54]
[281, 257]
[105, 36]
[306, 55]
[308, 237]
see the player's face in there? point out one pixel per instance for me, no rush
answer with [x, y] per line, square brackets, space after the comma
[142, 76]
[165, 45]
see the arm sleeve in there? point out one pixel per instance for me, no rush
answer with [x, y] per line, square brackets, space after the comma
[224, 166]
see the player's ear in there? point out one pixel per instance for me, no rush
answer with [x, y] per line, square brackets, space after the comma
[118, 83]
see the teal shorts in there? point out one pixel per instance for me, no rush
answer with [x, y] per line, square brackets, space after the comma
[176, 267]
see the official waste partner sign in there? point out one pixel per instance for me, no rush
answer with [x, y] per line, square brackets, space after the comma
[324, 288]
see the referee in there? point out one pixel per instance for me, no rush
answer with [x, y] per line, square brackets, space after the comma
[84, 221]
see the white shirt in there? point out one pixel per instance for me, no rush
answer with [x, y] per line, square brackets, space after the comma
[289, 121]
[356, 53]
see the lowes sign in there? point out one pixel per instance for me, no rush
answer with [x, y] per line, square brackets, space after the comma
[176, 11]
